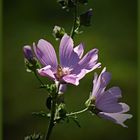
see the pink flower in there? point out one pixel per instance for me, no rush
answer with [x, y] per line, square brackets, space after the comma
[106, 101]
[72, 66]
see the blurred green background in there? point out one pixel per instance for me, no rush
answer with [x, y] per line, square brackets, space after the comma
[113, 32]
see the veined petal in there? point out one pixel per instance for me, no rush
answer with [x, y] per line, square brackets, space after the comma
[46, 71]
[98, 65]
[117, 118]
[72, 79]
[46, 53]
[81, 74]
[79, 50]
[108, 101]
[89, 60]
[100, 83]
[105, 79]
[125, 107]
[68, 58]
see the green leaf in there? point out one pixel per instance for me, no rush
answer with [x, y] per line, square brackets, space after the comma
[75, 120]
[52, 89]
[34, 137]
[41, 114]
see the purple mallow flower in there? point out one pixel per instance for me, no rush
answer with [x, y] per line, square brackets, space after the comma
[106, 101]
[73, 65]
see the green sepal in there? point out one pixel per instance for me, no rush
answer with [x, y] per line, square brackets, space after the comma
[62, 110]
[61, 113]
[90, 104]
[52, 89]
[43, 86]
[31, 65]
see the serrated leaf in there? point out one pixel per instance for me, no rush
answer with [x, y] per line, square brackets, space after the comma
[75, 120]
[34, 137]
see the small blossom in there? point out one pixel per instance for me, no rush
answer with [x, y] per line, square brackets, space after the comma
[30, 61]
[28, 54]
[73, 65]
[106, 101]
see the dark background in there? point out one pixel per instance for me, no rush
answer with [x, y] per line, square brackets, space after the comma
[113, 32]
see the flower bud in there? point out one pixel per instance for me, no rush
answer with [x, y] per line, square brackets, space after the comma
[30, 61]
[58, 32]
[28, 54]
[85, 18]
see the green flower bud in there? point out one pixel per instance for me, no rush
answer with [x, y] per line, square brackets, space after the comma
[85, 18]
[58, 32]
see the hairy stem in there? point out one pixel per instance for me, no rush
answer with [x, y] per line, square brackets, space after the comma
[78, 112]
[74, 23]
[51, 123]
[53, 110]
[35, 73]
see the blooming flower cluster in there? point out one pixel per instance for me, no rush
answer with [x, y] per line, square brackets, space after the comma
[69, 68]
[73, 65]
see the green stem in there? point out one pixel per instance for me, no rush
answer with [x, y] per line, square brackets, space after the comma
[51, 123]
[78, 112]
[75, 18]
[35, 73]
[53, 110]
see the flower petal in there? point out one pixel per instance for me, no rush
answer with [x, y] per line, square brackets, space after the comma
[62, 88]
[117, 118]
[46, 71]
[89, 60]
[46, 53]
[108, 101]
[72, 79]
[81, 74]
[100, 83]
[79, 50]
[125, 107]
[68, 58]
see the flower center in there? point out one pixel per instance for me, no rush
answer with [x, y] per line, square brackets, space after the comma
[62, 72]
